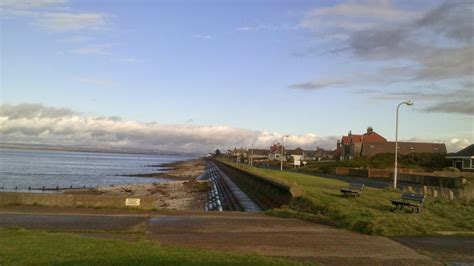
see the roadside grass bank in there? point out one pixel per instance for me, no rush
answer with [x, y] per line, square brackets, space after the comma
[27, 247]
[371, 213]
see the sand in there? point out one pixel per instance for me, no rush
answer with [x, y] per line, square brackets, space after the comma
[182, 192]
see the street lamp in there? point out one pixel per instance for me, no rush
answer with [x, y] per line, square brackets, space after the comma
[408, 103]
[281, 157]
[251, 152]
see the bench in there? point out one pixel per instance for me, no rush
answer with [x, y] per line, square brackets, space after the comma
[412, 200]
[354, 189]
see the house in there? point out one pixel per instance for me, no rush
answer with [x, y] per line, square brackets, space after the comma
[350, 146]
[238, 153]
[463, 159]
[276, 152]
[259, 153]
[370, 149]
[297, 154]
[322, 154]
[371, 143]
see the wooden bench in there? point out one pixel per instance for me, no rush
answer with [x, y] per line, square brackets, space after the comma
[412, 200]
[354, 189]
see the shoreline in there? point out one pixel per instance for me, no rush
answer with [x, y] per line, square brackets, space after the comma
[175, 171]
[181, 191]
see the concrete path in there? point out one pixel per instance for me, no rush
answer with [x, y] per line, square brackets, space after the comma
[224, 231]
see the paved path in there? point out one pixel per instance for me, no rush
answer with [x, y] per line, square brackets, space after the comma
[226, 231]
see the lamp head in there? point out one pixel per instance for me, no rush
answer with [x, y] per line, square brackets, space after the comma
[409, 103]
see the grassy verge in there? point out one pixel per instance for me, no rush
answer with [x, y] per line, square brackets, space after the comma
[322, 202]
[25, 247]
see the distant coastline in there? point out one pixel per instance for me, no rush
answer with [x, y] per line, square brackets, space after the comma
[49, 147]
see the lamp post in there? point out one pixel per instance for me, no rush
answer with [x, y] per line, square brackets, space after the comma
[282, 151]
[395, 173]
[251, 152]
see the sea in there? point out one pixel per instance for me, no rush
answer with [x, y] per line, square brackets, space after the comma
[21, 169]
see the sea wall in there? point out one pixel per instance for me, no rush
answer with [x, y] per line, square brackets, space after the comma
[61, 200]
[266, 193]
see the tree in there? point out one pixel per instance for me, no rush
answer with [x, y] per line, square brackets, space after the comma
[217, 152]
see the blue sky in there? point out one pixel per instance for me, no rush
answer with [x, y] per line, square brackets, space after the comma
[312, 69]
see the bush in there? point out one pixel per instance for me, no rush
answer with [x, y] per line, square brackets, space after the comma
[451, 169]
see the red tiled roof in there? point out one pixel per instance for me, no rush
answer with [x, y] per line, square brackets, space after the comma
[367, 137]
[373, 137]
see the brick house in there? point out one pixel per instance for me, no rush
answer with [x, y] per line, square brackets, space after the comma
[371, 143]
[370, 149]
[350, 146]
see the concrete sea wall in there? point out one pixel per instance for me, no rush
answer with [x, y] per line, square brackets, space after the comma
[62, 200]
[267, 193]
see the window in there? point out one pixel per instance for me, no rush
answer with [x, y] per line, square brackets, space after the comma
[435, 148]
[412, 148]
[372, 147]
[466, 163]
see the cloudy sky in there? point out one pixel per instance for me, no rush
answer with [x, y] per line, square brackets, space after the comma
[196, 75]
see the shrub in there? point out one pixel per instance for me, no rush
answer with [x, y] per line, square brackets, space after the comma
[451, 169]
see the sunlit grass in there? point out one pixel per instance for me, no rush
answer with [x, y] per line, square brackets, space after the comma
[25, 247]
[370, 213]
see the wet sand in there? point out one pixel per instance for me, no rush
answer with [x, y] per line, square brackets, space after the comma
[182, 170]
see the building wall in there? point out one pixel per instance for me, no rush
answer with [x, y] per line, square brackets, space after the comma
[371, 149]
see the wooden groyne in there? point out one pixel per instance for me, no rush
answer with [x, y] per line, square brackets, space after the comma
[44, 188]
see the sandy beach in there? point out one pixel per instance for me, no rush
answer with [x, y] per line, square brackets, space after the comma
[182, 192]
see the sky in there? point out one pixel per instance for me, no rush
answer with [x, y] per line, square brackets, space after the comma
[198, 75]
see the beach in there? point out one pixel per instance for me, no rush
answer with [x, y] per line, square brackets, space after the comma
[182, 191]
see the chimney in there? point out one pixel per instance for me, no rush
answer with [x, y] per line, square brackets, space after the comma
[370, 130]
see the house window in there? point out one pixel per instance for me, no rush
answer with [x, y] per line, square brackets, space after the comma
[372, 147]
[412, 148]
[466, 163]
[435, 148]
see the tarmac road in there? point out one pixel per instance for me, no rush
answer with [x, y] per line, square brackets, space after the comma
[229, 231]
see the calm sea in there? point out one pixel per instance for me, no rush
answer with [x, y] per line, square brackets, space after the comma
[36, 168]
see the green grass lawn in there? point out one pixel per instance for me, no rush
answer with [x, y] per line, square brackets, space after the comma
[25, 247]
[322, 202]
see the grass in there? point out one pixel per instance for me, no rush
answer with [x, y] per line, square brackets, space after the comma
[26, 247]
[370, 214]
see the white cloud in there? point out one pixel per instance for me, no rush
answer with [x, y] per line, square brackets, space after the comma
[75, 39]
[27, 4]
[129, 60]
[95, 49]
[408, 47]
[63, 22]
[342, 19]
[318, 84]
[97, 82]
[35, 123]
[202, 36]
[264, 27]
